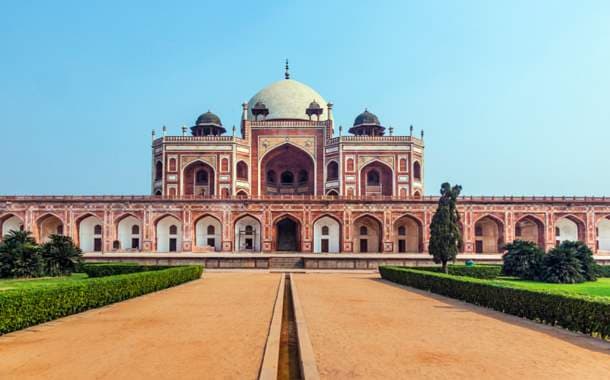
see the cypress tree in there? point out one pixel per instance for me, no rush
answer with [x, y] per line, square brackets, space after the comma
[445, 235]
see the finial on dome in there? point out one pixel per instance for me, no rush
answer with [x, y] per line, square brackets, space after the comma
[287, 73]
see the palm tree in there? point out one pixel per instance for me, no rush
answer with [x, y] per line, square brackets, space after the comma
[60, 255]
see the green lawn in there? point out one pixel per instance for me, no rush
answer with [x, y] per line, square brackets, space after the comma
[38, 282]
[599, 288]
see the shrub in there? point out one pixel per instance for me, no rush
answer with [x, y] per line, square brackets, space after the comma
[523, 259]
[602, 270]
[60, 256]
[574, 312]
[585, 256]
[111, 269]
[477, 271]
[19, 255]
[21, 308]
[561, 265]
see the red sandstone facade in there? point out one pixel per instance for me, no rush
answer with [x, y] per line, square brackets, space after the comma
[288, 184]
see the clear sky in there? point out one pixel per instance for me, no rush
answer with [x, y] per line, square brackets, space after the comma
[514, 96]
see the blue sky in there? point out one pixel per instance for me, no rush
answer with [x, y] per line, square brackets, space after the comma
[514, 96]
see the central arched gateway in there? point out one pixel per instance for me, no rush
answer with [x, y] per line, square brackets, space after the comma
[287, 170]
[287, 234]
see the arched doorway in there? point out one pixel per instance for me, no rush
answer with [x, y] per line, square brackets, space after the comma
[90, 234]
[569, 228]
[376, 179]
[199, 179]
[332, 171]
[247, 234]
[531, 229]
[287, 234]
[367, 235]
[326, 235]
[169, 234]
[208, 233]
[489, 235]
[408, 235]
[603, 235]
[287, 170]
[129, 233]
[49, 225]
[242, 171]
[10, 223]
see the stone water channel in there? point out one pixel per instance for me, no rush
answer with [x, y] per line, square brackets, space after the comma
[288, 352]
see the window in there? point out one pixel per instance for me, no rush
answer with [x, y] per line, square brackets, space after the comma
[417, 171]
[97, 230]
[364, 230]
[224, 165]
[135, 229]
[332, 171]
[211, 230]
[402, 165]
[135, 243]
[557, 232]
[249, 230]
[478, 231]
[242, 170]
[158, 171]
[173, 230]
[211, 242]
[287, 178]
[372, 178]
[271, 177]
[201, 178]
[350, 164]
[172, 164]
[158, 193]
[402, 231]
[518, 230]
[60, 229]
[325, 230]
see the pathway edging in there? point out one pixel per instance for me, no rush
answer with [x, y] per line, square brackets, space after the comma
[309, 368]
[269, 366]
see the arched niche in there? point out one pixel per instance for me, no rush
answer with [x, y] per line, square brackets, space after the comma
[367, 234]
[408, 235]
[327, 235]
[129, 233]
[90, 233]
[376, 178]
[208, 233]
[247, 234]
[169, 234]
[489, 235]
[287, 169]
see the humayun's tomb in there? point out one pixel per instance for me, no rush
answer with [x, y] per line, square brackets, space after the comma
[288, 186]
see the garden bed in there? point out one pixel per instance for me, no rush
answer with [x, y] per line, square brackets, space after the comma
[586, 314]
[27, 306]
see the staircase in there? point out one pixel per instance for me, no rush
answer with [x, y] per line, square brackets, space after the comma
[286, 263]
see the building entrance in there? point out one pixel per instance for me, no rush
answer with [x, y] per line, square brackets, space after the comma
[287, 235]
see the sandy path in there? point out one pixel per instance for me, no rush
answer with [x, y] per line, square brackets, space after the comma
[213, 328]
[361, 327]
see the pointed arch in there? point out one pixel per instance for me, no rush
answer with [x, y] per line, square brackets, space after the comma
[287, 229]
[569, 228]
[10, 222]
[367, 233]
[530, 228]
[287, 157]
[168, 233]
[90, 232]
[408, 234]
[128, 238]
[208, 232]
[489, 234]
[385, 178]
[193, 180]
[327, 231]
[49, 224]
[247, 233]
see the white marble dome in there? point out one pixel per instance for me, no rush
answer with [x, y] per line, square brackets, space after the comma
[287, 99]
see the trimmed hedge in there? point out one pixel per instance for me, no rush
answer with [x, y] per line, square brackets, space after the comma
[588, 315]
[477, 271]
[602, 270]
[21, 308]
[112, 269]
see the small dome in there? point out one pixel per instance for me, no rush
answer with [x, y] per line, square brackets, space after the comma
[285, 99]
[314, 105]
[366, 118]
[208, 118]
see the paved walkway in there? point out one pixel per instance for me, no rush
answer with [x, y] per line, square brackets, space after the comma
[214, 328]
[361, 327]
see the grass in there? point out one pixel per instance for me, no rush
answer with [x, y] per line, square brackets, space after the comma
[599, 288]
[29, 283]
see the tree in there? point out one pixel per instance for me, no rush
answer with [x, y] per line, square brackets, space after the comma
[61, 256]
[561, 265]
[445, 235]
[584, 254]
[523, 259]
[19, 255]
